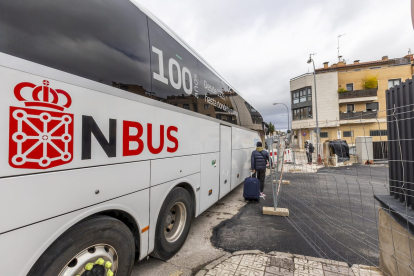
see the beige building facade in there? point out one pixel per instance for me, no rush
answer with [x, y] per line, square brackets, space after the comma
[351, 99]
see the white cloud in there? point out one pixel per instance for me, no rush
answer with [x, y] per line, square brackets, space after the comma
[258, 46]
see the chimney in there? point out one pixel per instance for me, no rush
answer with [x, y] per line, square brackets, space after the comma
[356, 61]
[325, 64]
[384, 58]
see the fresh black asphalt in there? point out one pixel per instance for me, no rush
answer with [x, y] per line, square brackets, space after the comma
[333, 215]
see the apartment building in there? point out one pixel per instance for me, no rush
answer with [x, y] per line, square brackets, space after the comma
[351, 99]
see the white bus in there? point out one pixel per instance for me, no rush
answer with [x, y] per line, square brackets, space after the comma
[115, 135]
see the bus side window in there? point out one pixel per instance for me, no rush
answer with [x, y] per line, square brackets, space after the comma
[109, 45]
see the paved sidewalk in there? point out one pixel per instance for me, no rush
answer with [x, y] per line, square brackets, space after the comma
[257, 263]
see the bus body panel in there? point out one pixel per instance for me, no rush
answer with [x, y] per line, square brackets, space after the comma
[160, 192]
[164, 170]
[240, 166]
[242, 139]
[47, 195]
[209, 180]
[27, 244]
[225, 160]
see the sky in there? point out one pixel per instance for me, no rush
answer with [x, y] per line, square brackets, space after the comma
[259, 45]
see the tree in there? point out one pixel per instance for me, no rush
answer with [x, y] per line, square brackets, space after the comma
[271, 128]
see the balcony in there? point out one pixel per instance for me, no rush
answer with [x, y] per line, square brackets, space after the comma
[358, 95]
[358, 115]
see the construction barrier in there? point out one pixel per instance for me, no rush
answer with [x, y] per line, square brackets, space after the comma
[288, 155]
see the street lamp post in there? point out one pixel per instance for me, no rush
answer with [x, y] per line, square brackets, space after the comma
[287, 111]
[291, 135]
[316, 107]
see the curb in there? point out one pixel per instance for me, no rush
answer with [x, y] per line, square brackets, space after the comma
[245, 252]
[218, 261]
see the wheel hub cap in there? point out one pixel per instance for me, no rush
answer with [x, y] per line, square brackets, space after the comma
[97, 260]
[175, 222]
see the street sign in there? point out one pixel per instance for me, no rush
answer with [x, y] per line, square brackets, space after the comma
[304, 134]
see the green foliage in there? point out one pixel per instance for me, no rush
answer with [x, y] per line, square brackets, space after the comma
[271, 128]
[370, 82]
[342, 90]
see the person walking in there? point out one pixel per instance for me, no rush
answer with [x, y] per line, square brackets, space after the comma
[311, 149]
[307, 150]
[259, 160]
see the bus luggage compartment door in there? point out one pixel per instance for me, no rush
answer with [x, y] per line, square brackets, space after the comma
[209, 192]
[225, 159]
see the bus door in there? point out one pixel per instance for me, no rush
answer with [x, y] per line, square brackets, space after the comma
[225, 159]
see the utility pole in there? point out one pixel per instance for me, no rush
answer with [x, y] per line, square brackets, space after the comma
[316, 108]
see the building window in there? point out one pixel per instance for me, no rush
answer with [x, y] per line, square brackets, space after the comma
[206, 106]
[323, 134]
[382, 132]
[302, 113]
[393, 82]
[349, 133]
[302, 95]
[350, 107]
[218, 116]
[310, 112]
[209, 115]
[350, 87]
[376, 67]
[295, 97]
[372, 106]
[296, 115]
[186, 106]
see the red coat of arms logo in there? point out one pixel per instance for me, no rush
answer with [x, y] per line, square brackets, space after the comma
[40, 138]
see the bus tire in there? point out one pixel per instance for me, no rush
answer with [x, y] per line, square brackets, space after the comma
[95, 235]
[176, 214]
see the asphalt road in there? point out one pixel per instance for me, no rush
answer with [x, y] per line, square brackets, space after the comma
[333, 215]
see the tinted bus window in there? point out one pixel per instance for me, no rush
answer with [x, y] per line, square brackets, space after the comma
[213, 93]
[101, 40]
[173, 70]
[178, 78]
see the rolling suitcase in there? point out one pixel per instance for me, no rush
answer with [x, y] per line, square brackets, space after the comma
[251, 189]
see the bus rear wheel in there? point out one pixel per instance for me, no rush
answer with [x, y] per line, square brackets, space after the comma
[173, 223]
[97, 246]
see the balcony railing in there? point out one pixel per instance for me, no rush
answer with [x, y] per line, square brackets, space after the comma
[359, 93]
[358, 115]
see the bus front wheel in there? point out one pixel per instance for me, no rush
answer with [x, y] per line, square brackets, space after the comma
[173, 223]
[100, 245]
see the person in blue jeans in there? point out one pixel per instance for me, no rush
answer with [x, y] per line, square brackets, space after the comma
[259, 160]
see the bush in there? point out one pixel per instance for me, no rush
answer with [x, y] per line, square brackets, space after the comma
[342, 90]
[370, 82]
